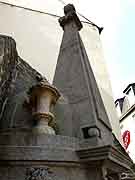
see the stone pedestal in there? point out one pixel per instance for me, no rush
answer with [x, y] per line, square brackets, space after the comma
[25, 155]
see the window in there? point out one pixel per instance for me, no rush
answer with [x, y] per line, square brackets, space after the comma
[131, 97]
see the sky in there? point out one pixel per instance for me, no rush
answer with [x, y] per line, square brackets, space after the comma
[119, 47]
[117, 18]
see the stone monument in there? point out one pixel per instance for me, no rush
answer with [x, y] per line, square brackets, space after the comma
[59, 131]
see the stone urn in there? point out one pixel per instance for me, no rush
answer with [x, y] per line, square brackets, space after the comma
[43, 97]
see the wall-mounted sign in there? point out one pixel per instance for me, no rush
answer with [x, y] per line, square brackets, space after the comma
[126, 138]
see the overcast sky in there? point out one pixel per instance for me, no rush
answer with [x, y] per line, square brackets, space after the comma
[118, 37]
[118, 19]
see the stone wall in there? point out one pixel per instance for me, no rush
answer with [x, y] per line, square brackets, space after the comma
[16, 78]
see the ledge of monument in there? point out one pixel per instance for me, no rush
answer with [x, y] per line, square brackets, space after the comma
[23, 144]
[37, 153]
[25, 137]
[109, 154]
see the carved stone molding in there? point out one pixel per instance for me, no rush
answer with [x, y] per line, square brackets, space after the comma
[39, 174]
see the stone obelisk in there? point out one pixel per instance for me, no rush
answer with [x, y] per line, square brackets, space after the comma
[75, 79]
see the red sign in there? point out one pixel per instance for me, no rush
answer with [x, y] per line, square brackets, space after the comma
[126, 138]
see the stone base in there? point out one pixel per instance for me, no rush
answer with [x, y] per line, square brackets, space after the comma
[28, 156]
[54, 171]
[43, 130]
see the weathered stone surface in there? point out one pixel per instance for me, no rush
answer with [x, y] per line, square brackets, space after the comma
[39, 174]
[8, 57]
[75, 79]
[59, 172]
[16, 79]
[23, 144]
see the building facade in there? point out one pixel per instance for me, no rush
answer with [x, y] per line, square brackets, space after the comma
[125, 107]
